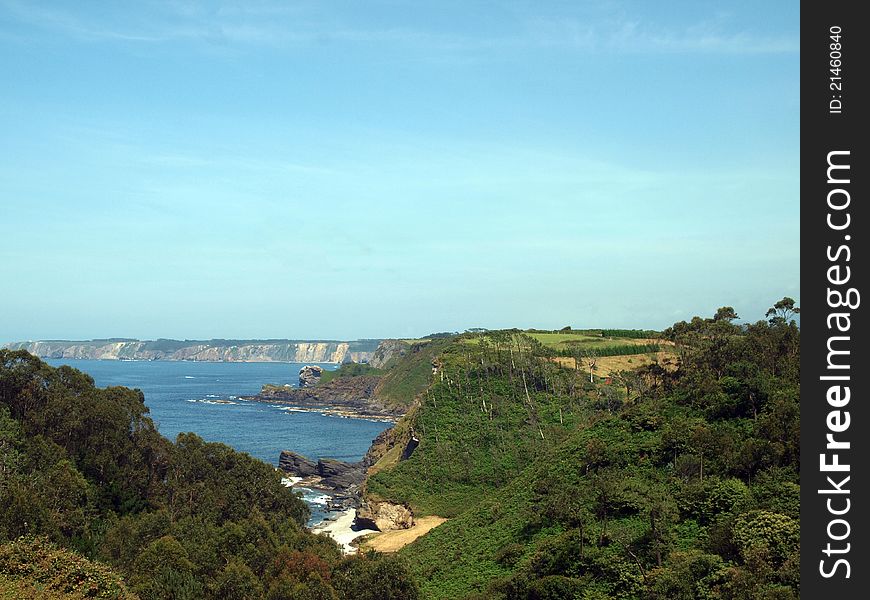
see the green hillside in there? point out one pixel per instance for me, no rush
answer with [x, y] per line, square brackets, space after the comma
[408, 377]
[667, 483]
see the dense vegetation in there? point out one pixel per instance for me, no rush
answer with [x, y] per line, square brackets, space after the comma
[629, 333]
[672, 482]
[594, 343]
[349, 370]
[86, 479]
[34, 568]
[615, 350]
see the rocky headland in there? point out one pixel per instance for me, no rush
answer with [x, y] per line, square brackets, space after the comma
[343, 396]
[344, 482]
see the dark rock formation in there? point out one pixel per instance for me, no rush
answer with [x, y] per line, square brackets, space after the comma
[340, 475]
[342, 501]
[296, 465]
[409, 448]
[309, 376]
[326, 473]
[346, 396]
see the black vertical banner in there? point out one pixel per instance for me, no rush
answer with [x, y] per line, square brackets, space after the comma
[834, 335]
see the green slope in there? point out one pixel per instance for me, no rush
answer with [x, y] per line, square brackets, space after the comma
[665, 484]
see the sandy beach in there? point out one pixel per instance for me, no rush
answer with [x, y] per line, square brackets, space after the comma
[340, 530]
[392, 541]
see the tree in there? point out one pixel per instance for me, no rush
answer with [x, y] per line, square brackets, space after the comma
[782, 312]
[726, 313]
[777, 535]
[163, 571]
[375, 577]
[10, 444]
[237, 582]
[631, 380]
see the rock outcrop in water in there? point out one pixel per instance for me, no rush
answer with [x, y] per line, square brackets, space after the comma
[296, 465]
[326, 473]
[343, 481]
[310, 375]
[212, 350]
[343, 396]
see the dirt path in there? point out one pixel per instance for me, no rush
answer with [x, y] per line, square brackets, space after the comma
[391, 541]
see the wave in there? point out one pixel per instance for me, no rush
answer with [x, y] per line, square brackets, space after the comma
[211, 401]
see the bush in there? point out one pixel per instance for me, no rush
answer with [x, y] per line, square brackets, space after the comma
[375, 577]
[37, 563]
[776, 534]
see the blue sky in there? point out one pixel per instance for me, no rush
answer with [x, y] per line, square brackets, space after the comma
[348, 169]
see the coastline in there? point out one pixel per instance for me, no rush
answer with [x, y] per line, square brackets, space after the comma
[334, 352]
[328, 411]
[351, 397]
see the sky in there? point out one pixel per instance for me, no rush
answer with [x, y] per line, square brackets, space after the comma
[343, 170]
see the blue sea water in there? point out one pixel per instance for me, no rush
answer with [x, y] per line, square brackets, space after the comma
[193, 396]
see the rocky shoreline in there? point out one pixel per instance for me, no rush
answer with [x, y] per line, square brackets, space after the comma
[351, 397]
[340, 480]
[344, 483]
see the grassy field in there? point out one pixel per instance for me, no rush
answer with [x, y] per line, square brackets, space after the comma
[584, 340]
[607, 365]
[349, 370]
[557, 338]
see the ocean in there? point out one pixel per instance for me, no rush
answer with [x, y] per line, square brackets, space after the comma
[203, 397]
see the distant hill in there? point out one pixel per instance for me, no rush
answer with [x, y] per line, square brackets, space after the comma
[216, 350]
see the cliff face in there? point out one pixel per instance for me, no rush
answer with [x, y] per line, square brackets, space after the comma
[215, 351]
[387, 350]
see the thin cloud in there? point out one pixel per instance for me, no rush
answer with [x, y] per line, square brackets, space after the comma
[56, 20]
[702, 37]
[190, 161]
[633, 36]
[280, 25]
